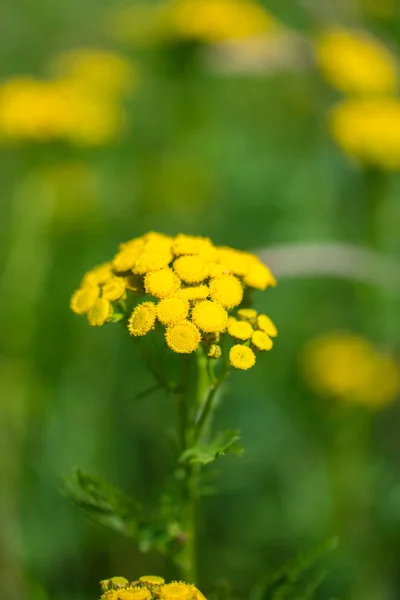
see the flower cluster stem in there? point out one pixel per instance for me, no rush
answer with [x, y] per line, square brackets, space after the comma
[196, 409]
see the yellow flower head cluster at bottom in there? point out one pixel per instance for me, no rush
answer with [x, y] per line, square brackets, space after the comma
[349, 368]
[149, 587]
[186, 288]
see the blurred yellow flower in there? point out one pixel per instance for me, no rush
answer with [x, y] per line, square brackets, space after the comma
[368, 130]
[348, 367]
[355, 62]
[82, 104]
[99, 313]
[99, 70]
[84, 298]
[206, 21]
[114, 289]
[32, 109]
[219, 20]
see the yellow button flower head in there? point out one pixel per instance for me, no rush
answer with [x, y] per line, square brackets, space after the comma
[114, 289]
[217, 269]
[134, 593]
[152, 260]
[191, 269]
[162, 283]
[177, 590]
[151, 580]
[210, 317]
[99, 313]
[195, 292]
[227, 290]
[241, 330]
[368, 129]
[143, 319]
[234, 260]
[258, 275]
[172, 310]
[126, 257]
[84, 298]
[110, 595]
[183, 338]
[354, 62]
[98, 275]
[242, 357]
[261, 341]
[247, 314]
[189, 244]
[265, 324]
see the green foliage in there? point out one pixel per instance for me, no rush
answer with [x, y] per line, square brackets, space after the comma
[102, 503]
[296, 580]
[226, 442]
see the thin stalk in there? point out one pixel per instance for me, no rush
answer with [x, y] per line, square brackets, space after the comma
[207, 407]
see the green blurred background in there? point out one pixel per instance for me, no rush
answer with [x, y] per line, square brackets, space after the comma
[237, 150]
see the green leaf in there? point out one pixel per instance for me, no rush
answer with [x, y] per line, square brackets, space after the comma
[102, 503]
[224, 443]
[288, 582]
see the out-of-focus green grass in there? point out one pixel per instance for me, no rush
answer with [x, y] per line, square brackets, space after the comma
[247, 161]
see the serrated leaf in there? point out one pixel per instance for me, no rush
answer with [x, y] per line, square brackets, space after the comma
[283, 584]
[226, 442]
[102, 503]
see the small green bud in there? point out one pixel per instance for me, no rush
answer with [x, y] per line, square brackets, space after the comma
[214, 351]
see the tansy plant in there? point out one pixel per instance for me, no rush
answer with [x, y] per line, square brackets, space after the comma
[187, 305]
[148, 587]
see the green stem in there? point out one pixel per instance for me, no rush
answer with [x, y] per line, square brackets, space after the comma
[207, 407]
[191, 508]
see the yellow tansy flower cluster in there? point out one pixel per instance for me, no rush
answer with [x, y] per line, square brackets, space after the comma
[148, 587]
[186, 288]
[366, 124]
[80, 103]
[349, 368]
